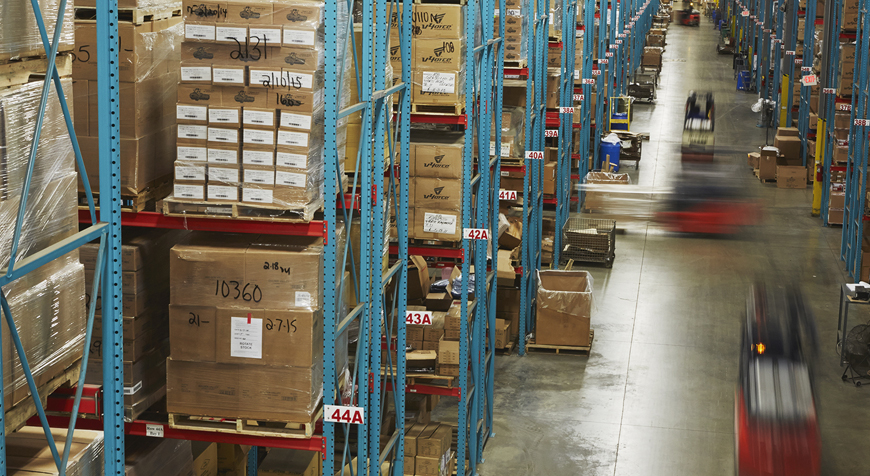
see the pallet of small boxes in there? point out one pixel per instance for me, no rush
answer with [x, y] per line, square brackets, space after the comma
[516, 29]
[250, 111]
[782, 162]
[428, 450]
[435, 192]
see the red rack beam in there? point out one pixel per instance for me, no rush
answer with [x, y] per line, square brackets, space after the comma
[158, 220]
[432, 252]
[429, 390]
[140, 428]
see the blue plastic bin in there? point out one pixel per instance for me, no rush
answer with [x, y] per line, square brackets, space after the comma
[743, 80]
[609, 153]
[619, 121]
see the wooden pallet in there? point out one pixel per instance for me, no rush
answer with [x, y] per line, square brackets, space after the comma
[137, 16]
[239, 211]
[17, 417]
[449, 2]
[563, 349]
[517, 64]
[24, 70]
[456, 109]
[274, 429]
[755, 171]
[431, 379]
[145, 200]
[508, 349]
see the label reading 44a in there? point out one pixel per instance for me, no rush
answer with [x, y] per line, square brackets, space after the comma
[341, 414]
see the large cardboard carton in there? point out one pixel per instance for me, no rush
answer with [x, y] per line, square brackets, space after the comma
[767, 163]
[789, 146]
[564, 307]
[506, 275]
[448, 352]
[438, 21]
[284, 462]
[790, 174]
[438, 54]
[418, 279]
[436, 155]
[441, 193]
[204, 458]
[438, 87]
[601, 186]
[502, 331]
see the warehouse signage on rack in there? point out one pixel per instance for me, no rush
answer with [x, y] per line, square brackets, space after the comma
[154, 431]
[341, 414]
[551, 133]
[418, 318]
[534, 155]
[507, 194]
[475, 234]
[809, 80]
[565, 110]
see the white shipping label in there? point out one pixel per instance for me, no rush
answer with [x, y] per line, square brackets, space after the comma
[298, 121]
[246, 337]
[228, 76]
[223, 174]
[253, 136]
[504, 150]
[298, 37]
[223, 192]
[263, 177]
[257, 157]
[439, 82]
[223, 156]
[439, 223]
[286, 159]
[514, 12]
[186, 131]
[196, 73]
[191, 113]
[199, 32]
[190, 192]
[154, 431]
[192, 154]
[134, 389]
[189, 173]
[230, 34]
[256, 195]
[296, 139]
[290, 179]
[219, 134]
[303, 299]
[266, 77]
[223, 116]
[258, 118]
[266, 36]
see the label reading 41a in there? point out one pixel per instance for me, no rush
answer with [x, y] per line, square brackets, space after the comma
[339, 414]
[475, 234]
[507, 194]
[418, 318]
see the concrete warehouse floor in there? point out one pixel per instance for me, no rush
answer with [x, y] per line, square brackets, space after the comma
[656, 395]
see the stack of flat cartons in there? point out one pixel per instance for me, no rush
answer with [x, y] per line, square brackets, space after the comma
[247, 308]
[516, 29]
[28, 453]
[148, 75]
[435, 193]
[428, 451]
[790, 172]
[145, 265]
[151, 456]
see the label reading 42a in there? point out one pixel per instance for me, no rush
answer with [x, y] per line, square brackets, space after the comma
[340, 414]
[475, 234]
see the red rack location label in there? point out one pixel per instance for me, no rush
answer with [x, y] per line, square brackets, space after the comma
[862, 122]
[566, 110]
[829, 90]
[507, 194]
[744, 13]
[767, 30]
[588, 80]
[626, 31]
[602, 61]
[619, 42]
[475, 233]
[578, 97]
[844, 107]
[534, 155]
[551, 133]
[341, 414]
[608, 54]
[798, 61]
[806, 69]
[789, 53]
[809, 80]
[596, 72]
[418, 318]
[154, 431]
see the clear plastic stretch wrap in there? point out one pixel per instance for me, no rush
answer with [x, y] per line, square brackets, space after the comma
[19, 33]
[27, 452]
[564, 307]
[513, 133]
[152, 456]
[516, 30]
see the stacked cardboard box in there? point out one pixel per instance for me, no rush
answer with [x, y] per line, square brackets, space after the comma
[28, 453]
[435, 192]
[282, 462]
[428, 450]
[148, 74]
[48, 304]
[145, 266]
[652, 57]
[564, 308]
[21, 35]
[790, 172]
[232, 460]
[516, 29]
[150, 456]
[246, 305]
[251, 104]
[204, 458]
[448, 346]
[512, 143]
[837, 205]
[603, 190]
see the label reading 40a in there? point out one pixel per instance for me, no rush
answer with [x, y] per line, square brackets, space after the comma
[418, 318]
[340, 414]
[475, 234]
[534, 155]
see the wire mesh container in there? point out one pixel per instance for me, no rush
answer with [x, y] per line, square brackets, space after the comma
[589, 240]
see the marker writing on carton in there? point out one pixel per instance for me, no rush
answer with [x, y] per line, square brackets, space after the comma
[250, 292]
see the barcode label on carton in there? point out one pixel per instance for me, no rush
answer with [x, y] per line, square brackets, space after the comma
[189, 173]
[191, 113]
[246, 337]
[298, 37]
[439, 223]
[219, 134]
[286, 159]
[223, 116]
[223, 156]
[266, 36]
[257, 157]
[303, 299]
[192, 132]
[223, 174]
[256, 195]
[192, 154]
[254, 136]
[229, 76]
[196, 73]
[262, 177]
[230, 34]
[223, 192]
[199, 32]
[290, 179]
[298, 121]
[293, 139]
[190, 192]
[258, 118]
[439, 82]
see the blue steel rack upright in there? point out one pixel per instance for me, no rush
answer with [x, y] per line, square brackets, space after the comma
[533, 196]
[107, 229]
[856, 166]
[826, 140]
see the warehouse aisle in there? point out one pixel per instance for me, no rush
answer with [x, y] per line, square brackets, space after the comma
[655, 397]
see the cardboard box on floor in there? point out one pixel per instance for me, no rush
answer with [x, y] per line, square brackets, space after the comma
[502, 331]
[767, 163]
[418, 279]
[564, 308]
[506, 274]
[790, 173]
[789, 145]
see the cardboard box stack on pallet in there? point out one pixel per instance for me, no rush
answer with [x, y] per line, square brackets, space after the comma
[428, 450]
[516, 29]
[436, 186]
[250, 127]
[145, 265]
[21, 35]
[247, 308]
[28, 453]
[47, 304]
[150, 456]
[564, 308]
[282, 462]
[148, 75]
[781, 162]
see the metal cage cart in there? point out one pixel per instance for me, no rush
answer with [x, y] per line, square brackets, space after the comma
[643, 86]
[589, 240]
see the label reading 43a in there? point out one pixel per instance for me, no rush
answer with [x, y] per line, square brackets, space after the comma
[340, 414]
[475, 234]
[418, 318]
[507, 194]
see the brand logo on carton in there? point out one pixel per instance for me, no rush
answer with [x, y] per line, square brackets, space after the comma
[248, 14]
[436, 59]
[293, 59]
[198, 95]
[511, 30]
[202, 54]
[436, 165]
[295, 16]
[394, 50]
[430, 21]
[289, 101]
[242, 97]
[511, 47]
[436, 195]
[204, 11]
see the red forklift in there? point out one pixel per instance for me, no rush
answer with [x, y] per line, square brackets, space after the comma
[689, 16]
